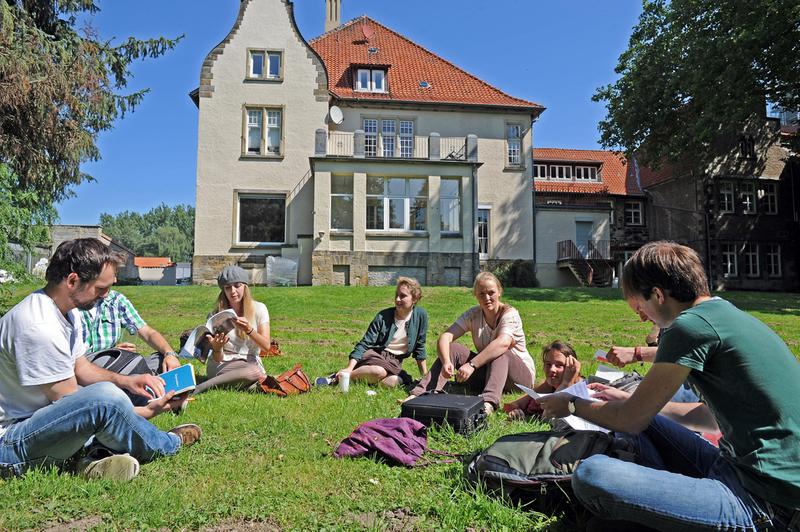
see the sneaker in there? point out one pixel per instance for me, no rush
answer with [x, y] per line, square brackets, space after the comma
[330, 380]
[189, 433]
[488, 408]
[119, 467]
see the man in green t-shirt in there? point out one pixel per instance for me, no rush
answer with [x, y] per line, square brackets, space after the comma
[748, 380]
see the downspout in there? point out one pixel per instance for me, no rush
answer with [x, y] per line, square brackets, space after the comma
[707, 231]
[534, 118]
[476, 261]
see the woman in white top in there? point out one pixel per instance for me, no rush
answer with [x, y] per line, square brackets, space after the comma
[234, 360]
[502, 358]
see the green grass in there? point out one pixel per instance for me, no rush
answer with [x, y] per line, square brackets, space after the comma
[268, 460]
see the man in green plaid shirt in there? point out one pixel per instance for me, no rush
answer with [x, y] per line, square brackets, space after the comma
[103, 327]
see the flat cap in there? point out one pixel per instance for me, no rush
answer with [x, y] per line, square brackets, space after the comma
[232, 274]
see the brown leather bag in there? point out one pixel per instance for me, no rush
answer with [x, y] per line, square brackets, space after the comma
[274, 350]
[290, 382]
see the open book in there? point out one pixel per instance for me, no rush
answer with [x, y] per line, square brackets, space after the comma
[178, 380]
[219, 322]
[581, 391]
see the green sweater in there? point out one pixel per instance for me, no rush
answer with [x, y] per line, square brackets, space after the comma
[381, 331]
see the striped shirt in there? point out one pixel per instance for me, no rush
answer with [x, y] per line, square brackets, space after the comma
[103, 324]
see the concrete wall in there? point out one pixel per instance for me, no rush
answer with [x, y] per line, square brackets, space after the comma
[222, 169]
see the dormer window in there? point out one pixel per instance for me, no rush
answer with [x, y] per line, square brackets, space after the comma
[264, 65]
[371, 80]
[586, 173]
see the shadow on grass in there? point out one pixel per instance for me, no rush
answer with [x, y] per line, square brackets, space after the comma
[563, 294]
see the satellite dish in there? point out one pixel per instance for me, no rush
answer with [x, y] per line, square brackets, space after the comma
[336, 115]
[368, 31]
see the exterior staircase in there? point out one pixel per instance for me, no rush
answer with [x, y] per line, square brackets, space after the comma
[592, 267]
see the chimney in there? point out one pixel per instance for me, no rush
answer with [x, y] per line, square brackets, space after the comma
[333, 11]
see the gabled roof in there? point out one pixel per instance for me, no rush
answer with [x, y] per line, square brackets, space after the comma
[617, 177]
[407, 64]
[152, 262]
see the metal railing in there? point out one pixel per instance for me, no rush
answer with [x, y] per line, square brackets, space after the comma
[358, 144]
[454, 148]
[594, 249]
[340, 144]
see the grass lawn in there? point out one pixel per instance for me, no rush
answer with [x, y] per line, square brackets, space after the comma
[265, 462]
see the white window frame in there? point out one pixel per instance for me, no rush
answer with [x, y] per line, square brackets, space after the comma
[636, 211]
[341, 195]
[726, 197]
[768, 194]
[370, 127]
[388, 137]
[484, 255]
[271, 118]
[747, 195]
[752, 265]
[513, 145]
[387, 198]
[406, 139]
[730, 266]
[586, 173]
[240, 195]
[372, 75]
[268, 59]
[773, 260]
[540, 171]
[565, 170]
[449, 198]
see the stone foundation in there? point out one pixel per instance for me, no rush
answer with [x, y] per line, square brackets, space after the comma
[328, 267]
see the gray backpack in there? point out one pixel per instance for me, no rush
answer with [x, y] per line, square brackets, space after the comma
[534, 469]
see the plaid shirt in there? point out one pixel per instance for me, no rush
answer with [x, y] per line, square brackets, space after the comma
[102, 325]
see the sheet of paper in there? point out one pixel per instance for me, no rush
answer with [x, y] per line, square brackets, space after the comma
[600, 355]
[581, 390]
[609, 373]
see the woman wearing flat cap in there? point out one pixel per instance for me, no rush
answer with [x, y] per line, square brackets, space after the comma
[234, 360]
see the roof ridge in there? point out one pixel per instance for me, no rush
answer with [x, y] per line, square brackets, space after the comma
[576, 149]
[434, 54]
[337, 28]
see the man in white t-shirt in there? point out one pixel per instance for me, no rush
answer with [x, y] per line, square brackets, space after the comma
[52, 400]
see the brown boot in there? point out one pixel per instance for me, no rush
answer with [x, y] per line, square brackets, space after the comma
[189, 433]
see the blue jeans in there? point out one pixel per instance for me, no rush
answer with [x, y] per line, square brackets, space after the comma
[58, 431]
[681, 483]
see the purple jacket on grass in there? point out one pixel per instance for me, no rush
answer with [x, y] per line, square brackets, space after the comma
[399, 440]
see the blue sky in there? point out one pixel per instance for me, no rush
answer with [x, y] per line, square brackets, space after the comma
[551, 52]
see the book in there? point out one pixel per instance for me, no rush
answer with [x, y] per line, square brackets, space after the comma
[221, 322]
[179, 380]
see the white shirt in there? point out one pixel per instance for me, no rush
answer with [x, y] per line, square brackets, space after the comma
[398, 345]
[238, 348]
[38, 345]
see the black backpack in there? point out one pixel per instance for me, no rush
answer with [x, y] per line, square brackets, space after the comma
[534, 469]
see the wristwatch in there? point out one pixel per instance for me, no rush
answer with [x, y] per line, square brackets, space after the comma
[170, 353]
[471, 364]
[571, 404]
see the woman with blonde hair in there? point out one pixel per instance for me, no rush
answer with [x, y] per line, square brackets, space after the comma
[393, 335]
[234, 361]
[502, 358]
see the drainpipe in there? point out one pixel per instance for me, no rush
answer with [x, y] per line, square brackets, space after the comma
[707, 229]
[533, 200]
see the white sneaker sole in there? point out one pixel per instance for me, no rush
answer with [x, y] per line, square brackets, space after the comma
[119, 467]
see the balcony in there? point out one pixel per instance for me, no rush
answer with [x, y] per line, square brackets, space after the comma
[360, 145]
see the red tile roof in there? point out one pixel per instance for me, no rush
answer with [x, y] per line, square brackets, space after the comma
[407, 64]
[617, 177]
[152, 262]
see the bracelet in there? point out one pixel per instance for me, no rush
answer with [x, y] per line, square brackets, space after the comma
[250, 331]
[637, 353]
[470, 363]
[170, 353]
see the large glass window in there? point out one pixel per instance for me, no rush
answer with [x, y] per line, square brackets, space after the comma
[483, 233]
[370, 80]
[450, 205]
[342, 202]
[388, 137]
[751, 264]
[773, 260]
[729, 263]
[263, 64]
[633, 213]
[262, 140]
[769, 198]
[262, 219]
[514, 144]
[395, 203]
[726, 196]
[747, 196]
[370, 137]
[406, 138]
